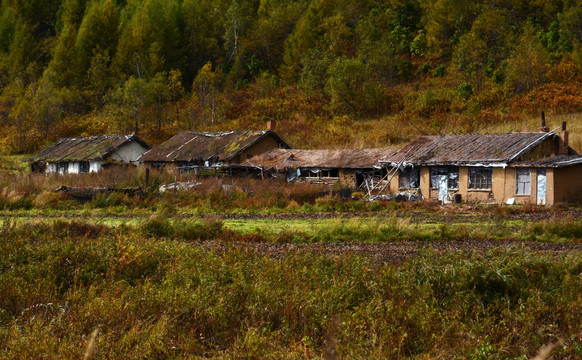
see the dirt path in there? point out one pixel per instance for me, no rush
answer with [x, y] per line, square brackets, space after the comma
[397, 252]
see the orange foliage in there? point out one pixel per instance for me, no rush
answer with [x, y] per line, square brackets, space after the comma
[560, 97]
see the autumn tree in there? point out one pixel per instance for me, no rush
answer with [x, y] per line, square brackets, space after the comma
[205, 89]
[527, 64]
[352, 89]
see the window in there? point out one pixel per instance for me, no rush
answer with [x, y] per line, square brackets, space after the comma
[410, 178]
[319, 173]
[451, 172]
[158, 164]
[480, 177]
[62, 167]
[522, 181]
[84, 167]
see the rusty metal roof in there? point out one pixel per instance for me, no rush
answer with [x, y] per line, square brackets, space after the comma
[201, 147]
[290, 159]
[485, 149]
[85, 148]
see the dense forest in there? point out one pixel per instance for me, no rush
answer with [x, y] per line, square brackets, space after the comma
[332, 73]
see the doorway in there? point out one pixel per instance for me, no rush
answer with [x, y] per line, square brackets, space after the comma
[541, 187]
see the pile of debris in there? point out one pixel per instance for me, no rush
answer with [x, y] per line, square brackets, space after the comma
[85, 194]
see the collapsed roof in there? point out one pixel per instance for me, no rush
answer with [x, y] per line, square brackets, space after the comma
[85, 148]
[282, 160]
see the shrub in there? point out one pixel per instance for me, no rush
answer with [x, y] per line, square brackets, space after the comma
[157, 226]
[465, 90]
[439, 71]
[207, 229]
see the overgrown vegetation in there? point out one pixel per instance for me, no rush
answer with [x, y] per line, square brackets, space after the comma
[150, 296]
[332, 73]
[256, 270]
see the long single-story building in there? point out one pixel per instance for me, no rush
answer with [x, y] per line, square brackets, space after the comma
[344, 167]
[195, 151]
[88, 154]
[528, 168]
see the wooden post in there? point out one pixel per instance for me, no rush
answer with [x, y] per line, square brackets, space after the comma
[147, 177]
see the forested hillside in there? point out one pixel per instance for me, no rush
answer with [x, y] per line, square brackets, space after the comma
[332, 73]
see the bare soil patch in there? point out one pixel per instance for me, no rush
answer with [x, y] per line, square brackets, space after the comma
[394, 253]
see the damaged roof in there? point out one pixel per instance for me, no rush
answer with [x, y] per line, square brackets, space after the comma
[475, 149]
[290, 159]
[199, 147]
[551, 162]
[85, 148]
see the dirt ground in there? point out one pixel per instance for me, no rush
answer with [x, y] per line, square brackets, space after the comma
[394, 253]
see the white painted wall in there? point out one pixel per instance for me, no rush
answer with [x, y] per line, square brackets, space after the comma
[51, 168]
[129, 152]
[95, 166]
[74, 168]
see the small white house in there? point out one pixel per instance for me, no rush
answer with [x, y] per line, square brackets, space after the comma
[88, 154]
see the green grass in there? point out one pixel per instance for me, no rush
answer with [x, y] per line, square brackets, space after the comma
[331, 229]
[154, 297]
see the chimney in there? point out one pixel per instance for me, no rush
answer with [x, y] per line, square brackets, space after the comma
[271, 125]
[563, 143]
[544, 128]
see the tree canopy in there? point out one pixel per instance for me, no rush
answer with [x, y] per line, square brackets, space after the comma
[118, 62]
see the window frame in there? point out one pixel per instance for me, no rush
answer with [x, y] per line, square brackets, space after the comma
[158, 164]
[525, 185]
[319, 173]
[84, 167]
[64, 166]
[475, 182]
[406, 173]
[447, 170]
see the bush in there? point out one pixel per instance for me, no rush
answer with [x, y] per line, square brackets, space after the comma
[465, 90]
[157, 226]
[439, 71]
[207, 229]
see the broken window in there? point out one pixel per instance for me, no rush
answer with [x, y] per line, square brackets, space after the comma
[62, 167]
[158, 164]
[451, 172]
[410, 178]
[522, 181]
[480, 177]
[319, 173]
[84, 167]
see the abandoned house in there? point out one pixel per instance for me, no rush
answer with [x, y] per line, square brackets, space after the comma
[193, 151]
[343, 167]
[88, 154]
[527, 168]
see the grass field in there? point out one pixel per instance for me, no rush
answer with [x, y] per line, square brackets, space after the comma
[270, 271]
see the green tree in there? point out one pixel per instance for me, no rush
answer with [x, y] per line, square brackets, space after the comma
[314, 75]
[99, 78]
[128, 102]
[205, 89]
[352, 89]
[527, 65]
[98, 33]
[63, 69]
[159, 92]
[203, 34]
[472, 56]
[150, 39]
[446, 21]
